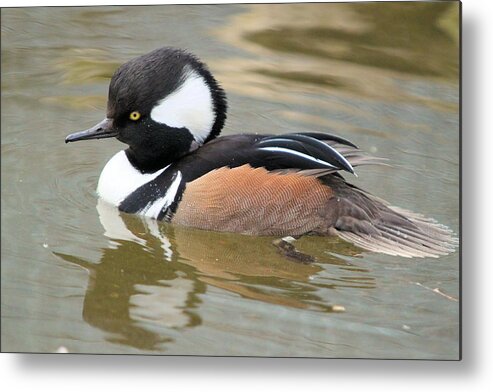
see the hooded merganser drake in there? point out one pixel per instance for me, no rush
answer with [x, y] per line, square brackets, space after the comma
[168, 108]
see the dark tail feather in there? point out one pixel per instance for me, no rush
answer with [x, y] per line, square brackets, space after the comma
[369, 222]
[399, 232]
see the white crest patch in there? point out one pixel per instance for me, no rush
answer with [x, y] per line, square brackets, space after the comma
[119, 179]
[190, 106]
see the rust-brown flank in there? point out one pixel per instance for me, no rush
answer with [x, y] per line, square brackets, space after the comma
[254, 201]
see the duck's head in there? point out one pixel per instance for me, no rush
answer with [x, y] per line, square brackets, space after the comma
[164, 105]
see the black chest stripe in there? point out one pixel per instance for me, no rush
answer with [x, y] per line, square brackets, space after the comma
[167, 213]
[152, 191]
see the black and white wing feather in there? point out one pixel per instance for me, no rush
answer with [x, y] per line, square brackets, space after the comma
[323, 153]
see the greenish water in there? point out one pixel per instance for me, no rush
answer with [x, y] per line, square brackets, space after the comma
[78, 275]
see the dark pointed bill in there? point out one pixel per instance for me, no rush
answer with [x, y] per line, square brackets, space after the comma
[102, 130]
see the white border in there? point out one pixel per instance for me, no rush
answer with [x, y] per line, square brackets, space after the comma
[474, 373]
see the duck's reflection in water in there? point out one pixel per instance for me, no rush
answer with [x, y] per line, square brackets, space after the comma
[151, 276]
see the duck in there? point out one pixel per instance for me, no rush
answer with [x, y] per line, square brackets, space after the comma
[169, 110]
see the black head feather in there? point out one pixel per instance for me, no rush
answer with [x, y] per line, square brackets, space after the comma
[141, 82]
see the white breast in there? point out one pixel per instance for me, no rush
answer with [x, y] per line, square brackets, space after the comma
[119, 179]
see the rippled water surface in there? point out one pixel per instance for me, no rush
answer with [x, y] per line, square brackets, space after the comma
[76, 274]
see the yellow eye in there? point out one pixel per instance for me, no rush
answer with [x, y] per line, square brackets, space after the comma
[134, 116]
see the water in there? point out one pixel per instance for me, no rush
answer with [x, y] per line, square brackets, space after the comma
[77, 275]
